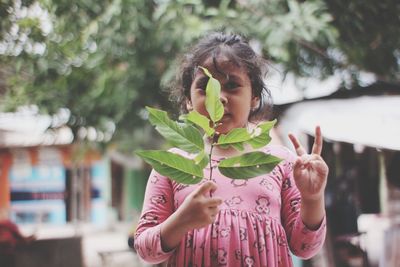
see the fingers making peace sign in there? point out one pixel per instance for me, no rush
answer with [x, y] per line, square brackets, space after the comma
[310, 170]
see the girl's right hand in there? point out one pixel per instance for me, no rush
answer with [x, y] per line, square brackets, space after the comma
[199, 209]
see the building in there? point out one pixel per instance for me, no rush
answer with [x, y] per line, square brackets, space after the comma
[41, 179]
[361, 129]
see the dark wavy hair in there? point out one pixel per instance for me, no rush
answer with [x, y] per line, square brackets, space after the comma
[238, 50]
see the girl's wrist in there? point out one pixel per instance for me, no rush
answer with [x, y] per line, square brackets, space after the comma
[313, 212]
[172, 231]
[312, 200]
[181, 223]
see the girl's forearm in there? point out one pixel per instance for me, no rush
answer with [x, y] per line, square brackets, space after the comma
[312, 212]
[172, 232]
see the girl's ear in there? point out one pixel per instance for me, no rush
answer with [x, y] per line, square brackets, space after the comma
[189, 105]
[255, 102]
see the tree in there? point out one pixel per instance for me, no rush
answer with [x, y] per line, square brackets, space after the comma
[369, 35]
[105, 61]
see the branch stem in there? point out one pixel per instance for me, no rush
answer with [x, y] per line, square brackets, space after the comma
[214, 139]
[210, 158]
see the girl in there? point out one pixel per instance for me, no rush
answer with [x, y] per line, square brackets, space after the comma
[227, 222]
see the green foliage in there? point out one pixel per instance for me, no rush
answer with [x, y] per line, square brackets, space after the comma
[180, 135]
[175, 166]
[199, 120]
[369, 34]
[238, 137]
[214, 106]
[105, 61]
[189, 139]
[248, 165]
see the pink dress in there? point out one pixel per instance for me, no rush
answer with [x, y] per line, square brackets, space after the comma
[258, 222]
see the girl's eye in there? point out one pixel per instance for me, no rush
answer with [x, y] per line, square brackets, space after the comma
[231, 85]
[202, 84]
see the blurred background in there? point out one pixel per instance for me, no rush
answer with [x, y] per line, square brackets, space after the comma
[75, 77]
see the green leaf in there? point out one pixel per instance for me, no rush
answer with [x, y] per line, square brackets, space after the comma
[180, 135]
[236, 135]
[238, 146]
[248, 165]
[214, 105]
[201, 159]
[173, 166]
[200, 120]
[258, 137]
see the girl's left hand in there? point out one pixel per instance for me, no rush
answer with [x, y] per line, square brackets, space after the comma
[310, 170]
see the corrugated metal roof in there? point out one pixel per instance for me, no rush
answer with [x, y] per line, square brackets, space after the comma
[60, 136]
[372, 121]
[24, 129]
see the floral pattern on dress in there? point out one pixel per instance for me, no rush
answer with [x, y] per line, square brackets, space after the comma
[258, 223]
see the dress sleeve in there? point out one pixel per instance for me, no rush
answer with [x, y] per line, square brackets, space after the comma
[303, 242]
[157, 207]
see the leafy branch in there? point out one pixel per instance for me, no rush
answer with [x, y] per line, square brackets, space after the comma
[187, 134]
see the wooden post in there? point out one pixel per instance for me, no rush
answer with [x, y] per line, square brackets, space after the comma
[5, 164]
[383, 185]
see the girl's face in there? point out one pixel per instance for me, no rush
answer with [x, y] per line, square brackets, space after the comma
[236, 93]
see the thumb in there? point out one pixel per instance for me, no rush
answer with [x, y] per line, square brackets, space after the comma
[206, 188]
